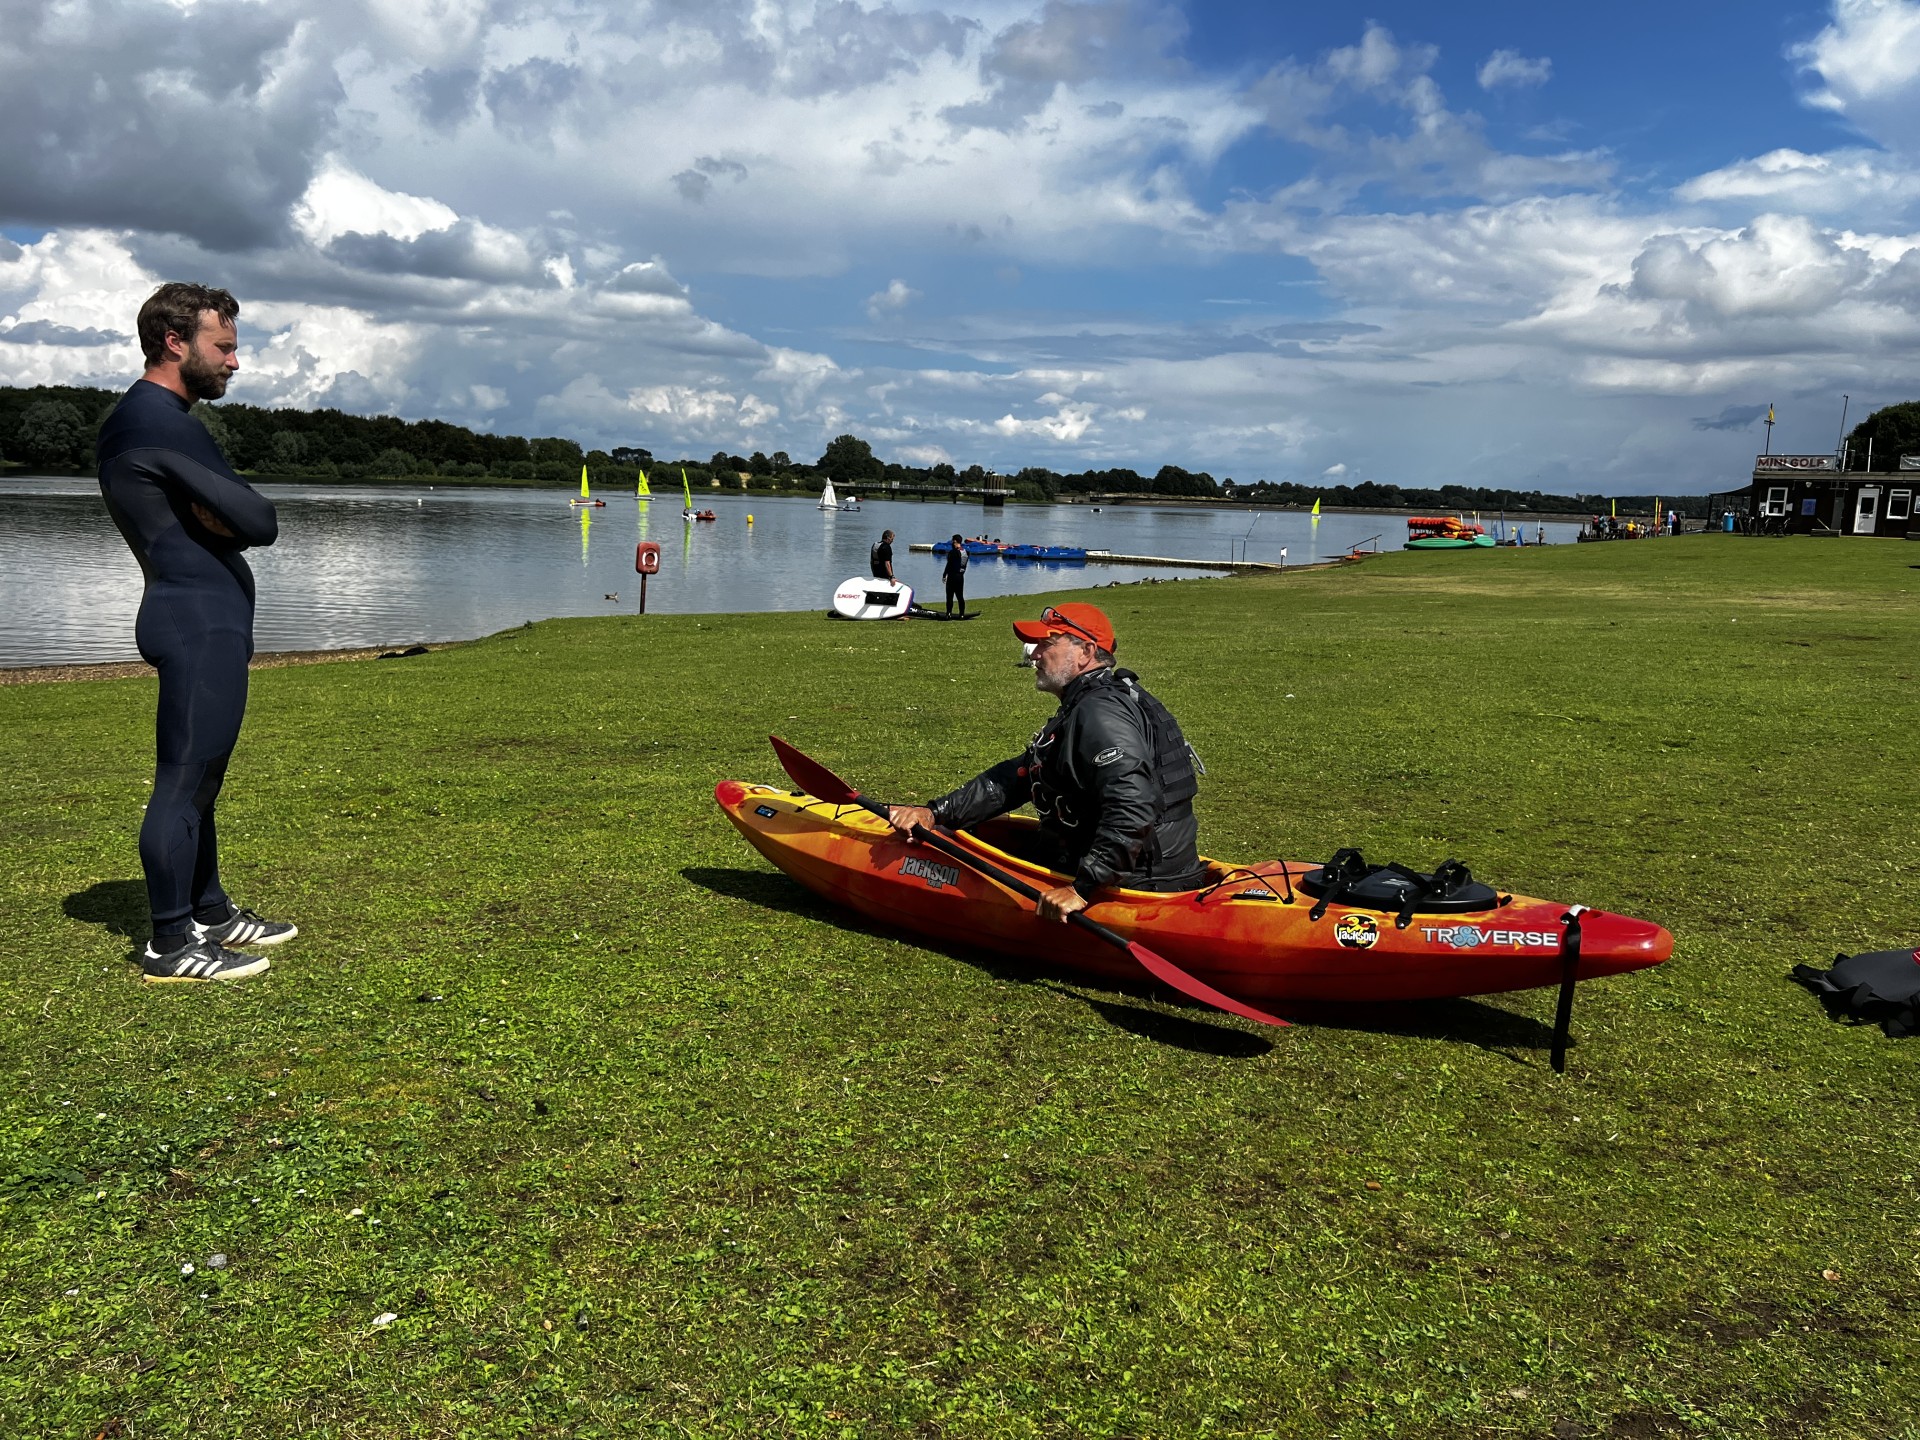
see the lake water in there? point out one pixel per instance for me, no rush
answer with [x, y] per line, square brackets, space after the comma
[375, 565]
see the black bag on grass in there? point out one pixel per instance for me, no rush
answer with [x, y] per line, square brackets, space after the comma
[1878, 987]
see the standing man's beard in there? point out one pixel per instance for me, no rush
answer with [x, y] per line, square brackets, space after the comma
[203, 381]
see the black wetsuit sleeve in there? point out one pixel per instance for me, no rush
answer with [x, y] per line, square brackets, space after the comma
[993, 792]
[1112, 761]
[235, 504]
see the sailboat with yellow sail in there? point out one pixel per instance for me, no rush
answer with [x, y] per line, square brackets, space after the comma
[585, 498]
[690, 514]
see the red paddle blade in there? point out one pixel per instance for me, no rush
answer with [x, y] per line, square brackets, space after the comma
[1168, 973]
[813, 777]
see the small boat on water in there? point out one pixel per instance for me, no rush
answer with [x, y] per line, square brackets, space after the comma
[975, 548]
[689, 514]
[1445, 532]
[585, 498]
[1058, 554]
[1047, 554]
[1271, 931]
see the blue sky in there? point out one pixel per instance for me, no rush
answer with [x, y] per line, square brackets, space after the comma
[1573, 247]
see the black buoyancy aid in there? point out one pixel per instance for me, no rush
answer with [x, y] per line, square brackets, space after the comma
[1174, 763]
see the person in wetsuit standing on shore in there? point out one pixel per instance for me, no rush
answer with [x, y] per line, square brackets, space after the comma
[186, 516]
[955, 574]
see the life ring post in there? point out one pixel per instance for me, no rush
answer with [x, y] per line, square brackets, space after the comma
[646, 561]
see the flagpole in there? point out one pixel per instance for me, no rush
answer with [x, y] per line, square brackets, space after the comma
[1769, 447]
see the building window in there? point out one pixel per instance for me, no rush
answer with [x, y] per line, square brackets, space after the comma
[1899, 504]
[1776, 500]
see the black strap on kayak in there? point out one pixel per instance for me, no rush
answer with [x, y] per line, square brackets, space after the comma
[1569, 972]
[1346, 869]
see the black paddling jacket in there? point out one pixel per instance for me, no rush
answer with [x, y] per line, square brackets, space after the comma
[1113, 781]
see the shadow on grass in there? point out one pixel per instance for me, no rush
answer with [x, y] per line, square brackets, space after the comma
[776, 892]
[1465, 1022]
[1183, 1032]
[119, 906]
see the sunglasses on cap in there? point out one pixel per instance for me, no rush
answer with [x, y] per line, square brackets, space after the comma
[1051, 616]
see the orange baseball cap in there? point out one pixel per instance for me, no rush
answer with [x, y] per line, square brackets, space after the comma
[1083, 622]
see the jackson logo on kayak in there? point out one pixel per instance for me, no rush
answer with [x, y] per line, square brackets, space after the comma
[1356, 932]
[932, 871]
[1470, 937]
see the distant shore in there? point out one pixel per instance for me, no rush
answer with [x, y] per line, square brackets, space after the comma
[866, 496]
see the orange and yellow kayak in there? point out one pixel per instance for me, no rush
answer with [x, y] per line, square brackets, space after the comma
[1272, 931]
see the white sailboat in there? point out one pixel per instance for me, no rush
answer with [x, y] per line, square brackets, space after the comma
[828, 501]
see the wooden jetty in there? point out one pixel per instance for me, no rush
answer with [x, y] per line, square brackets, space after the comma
[1111, 557]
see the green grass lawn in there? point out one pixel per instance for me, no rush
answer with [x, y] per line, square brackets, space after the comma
[634, 1137]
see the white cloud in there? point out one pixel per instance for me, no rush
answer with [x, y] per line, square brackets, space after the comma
[892, 300]
[923, 454]
[1838, 181]
[1335, 471]
[1067, 424]
[339, 200]
[1867, 61]
[1440, 152]
[1510, 67]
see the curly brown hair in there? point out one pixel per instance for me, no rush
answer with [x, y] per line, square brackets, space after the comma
[175, 309]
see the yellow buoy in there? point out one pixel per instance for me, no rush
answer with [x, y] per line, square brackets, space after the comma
[749, 519]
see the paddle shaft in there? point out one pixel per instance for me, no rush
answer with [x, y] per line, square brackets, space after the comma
[1158, 966]
[814, 778]
[995, 873]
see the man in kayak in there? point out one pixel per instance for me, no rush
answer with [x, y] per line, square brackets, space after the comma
[1110, 774]
[880, 557]
[186, 516]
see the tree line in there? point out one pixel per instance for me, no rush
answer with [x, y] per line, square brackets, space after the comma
[53, 426]
[1878, 442]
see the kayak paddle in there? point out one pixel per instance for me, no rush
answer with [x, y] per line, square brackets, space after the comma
[821, 783]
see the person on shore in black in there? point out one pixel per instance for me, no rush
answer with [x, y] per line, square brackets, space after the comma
[955, 575]
[880, 558]
[1110, 774]
[186, 516]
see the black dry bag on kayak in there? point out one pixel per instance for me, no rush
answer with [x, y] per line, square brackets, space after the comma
[1878, 987]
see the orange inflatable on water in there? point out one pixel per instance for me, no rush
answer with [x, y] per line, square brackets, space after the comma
[1275, 931]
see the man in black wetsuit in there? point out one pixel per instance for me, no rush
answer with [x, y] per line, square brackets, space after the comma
[880, 557]
[1110, 774]
[955, 574]
[187, 516]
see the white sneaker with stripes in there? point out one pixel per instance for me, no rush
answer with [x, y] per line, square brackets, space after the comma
[199, 959]
[243, 927]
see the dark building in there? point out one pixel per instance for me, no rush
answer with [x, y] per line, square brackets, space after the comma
[1812, 495]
